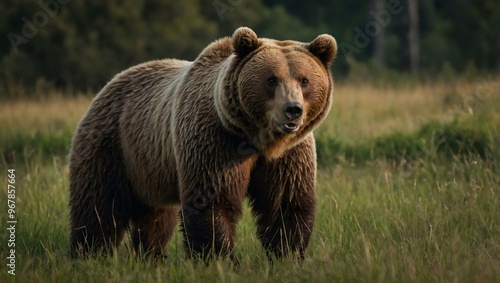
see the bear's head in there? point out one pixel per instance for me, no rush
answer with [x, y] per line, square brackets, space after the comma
[276, 92]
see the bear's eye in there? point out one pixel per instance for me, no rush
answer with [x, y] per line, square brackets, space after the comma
[304, 82]
[272, 81]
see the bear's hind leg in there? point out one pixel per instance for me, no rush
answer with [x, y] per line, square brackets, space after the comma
[100, 198]
[96, 227]
[153, 229]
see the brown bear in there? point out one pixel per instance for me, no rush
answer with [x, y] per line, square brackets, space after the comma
[171, 137]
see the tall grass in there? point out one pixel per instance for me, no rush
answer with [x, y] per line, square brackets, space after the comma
[408, 190]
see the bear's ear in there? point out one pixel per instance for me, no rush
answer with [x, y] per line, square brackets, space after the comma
[324, 47]
[244, 41]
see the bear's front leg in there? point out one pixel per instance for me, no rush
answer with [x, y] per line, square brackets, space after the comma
[208, 223]
[283, 199]
[152, 229]
[213, 169]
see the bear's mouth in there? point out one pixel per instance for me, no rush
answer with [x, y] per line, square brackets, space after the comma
[289, 127]
[285, 127]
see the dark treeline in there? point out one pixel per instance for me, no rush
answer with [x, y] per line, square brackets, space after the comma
[80, 44]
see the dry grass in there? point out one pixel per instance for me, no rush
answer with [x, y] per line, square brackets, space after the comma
[362, 111]
[39, 114]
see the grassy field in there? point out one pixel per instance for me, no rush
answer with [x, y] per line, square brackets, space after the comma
[408, 184]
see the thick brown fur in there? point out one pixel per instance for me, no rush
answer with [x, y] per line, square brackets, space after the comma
[173, 136]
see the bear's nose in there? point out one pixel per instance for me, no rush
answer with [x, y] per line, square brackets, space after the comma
[292, 110]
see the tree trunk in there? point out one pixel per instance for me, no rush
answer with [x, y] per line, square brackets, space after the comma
[498, 53]
[414, 36]
[379, 43]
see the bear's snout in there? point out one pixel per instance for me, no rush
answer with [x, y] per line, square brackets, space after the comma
[292, 110]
